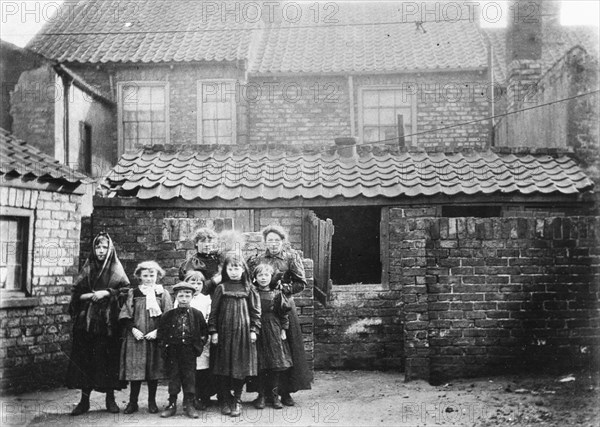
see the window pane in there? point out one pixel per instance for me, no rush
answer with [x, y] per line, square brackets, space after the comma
[144, 130]
[158, 95]
[158, 130]
[158, 115]
[370, 98]
[387, 117]
[224, 127]
[225, 140]
[224, 110]
[144, 95]
[386, 98]
[209, 110]
[208, 128]
[130, 130]
[370, 117]
[144, 115]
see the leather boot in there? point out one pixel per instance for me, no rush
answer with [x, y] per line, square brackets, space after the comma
[276, 400]
[171, 408]
[111, 405]
[188, 407]
[259, 402]
[236, 409]
[84, 404]
[226, 401]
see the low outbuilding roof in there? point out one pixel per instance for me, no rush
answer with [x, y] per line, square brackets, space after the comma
[280, 175]
[27, 163]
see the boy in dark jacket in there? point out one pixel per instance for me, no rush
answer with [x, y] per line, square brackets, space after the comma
[182, 333]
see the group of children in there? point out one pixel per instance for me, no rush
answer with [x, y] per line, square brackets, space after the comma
[244, 313]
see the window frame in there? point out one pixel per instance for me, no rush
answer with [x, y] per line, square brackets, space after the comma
[412, 105]
[140, 83]
[27, 287]
[199, 109]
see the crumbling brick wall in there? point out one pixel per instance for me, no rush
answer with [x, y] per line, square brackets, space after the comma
[492, 295]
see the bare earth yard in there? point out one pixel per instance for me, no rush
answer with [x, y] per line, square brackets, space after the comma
[361, 398]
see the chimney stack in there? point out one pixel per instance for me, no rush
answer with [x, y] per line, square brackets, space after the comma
[524, 52]
[346, 146]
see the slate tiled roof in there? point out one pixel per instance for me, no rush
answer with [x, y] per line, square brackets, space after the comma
[271, 176]
[358, 37]
[556, 42]
[17, 158]
[142, 31]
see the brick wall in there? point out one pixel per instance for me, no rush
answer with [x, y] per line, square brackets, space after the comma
[299, 110]
[36, 330]
[316, 109]
[164, 235]
[361, 328]
[32, 105]
[493, 295]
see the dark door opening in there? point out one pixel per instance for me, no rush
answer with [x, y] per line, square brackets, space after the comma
[355, 250]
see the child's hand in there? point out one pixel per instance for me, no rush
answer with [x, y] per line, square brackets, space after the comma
[217, 278]
[283, 335]
[137, 334]
[214, 338]
[151, 335]
[252, 337]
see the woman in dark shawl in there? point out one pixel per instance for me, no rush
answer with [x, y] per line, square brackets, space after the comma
[288, 265]
[94, 308]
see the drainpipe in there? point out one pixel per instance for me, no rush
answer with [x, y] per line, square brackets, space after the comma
[351, 100]
[493, 106]
[66, 90]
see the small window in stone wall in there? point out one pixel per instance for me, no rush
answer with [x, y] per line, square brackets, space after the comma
[471, 211]
[14, 253]
[355, 248]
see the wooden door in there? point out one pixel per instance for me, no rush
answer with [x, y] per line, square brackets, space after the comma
[316, 244]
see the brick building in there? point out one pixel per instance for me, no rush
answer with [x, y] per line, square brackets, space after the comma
[40, 219]
[230, 121]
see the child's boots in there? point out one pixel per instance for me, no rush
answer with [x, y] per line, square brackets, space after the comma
[84, 404]
[171, 408]
[236, 408]
[134, 393]
[188, 406]
[111, 405]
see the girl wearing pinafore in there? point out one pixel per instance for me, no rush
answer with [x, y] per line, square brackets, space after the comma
[141, 359]
[234, 323]
[274, 356]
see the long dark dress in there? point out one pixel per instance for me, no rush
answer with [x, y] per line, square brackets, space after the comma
[288, 263]
[141, 360]
[273, 352]
[235, 312]
[94, 361]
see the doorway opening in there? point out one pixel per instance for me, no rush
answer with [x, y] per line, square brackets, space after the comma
[355, 249]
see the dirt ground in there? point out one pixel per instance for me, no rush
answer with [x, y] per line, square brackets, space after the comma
[361, 398]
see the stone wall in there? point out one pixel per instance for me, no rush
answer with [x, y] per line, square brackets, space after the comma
[36, 327]
[492, 295]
